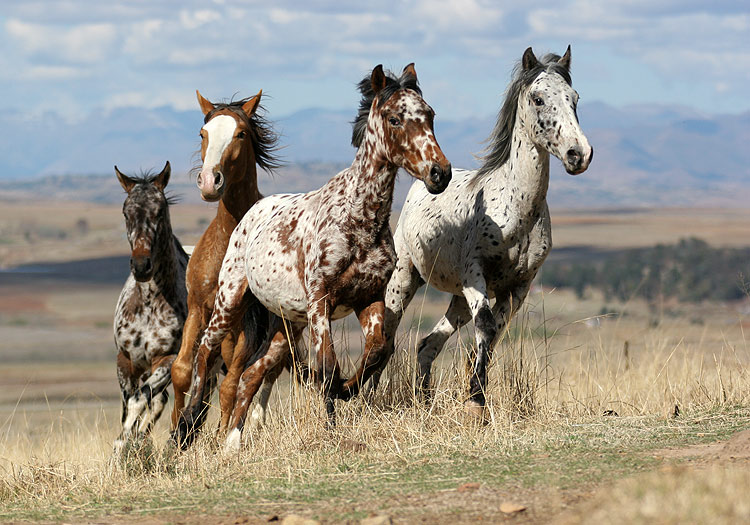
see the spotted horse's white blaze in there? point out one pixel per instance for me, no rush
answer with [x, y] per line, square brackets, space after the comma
[152, 306]
[314, 257]
[487, 235]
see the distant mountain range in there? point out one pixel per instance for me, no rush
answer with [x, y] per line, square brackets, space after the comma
[644, 155]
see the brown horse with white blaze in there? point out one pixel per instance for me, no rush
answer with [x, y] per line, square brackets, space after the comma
[234, 139]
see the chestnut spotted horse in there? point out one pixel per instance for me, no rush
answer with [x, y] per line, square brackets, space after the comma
[315, 257]
[152, 305]
[488, 234]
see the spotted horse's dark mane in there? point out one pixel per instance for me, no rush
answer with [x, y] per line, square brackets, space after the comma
[525, 72]
[407, 80]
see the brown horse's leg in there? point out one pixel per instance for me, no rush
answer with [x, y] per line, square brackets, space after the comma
[252, 378]
[234, 356]
[227, 313]
[182, 367]
[371, 320]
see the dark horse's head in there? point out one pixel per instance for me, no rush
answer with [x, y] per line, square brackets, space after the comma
[146, 211]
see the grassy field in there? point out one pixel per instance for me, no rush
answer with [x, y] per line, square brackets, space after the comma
[597, 411]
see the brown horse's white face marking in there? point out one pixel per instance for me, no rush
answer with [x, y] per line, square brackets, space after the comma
[144, 209]
[224, 138]
[404, 126]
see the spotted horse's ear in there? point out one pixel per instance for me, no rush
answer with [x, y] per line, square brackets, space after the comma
[410, 71]
[162, 179]
[126, 182]
[377, 80]
[565, 59]
[529, 61]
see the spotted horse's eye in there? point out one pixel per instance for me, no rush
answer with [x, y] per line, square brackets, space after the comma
[393, 121]
[538, 101]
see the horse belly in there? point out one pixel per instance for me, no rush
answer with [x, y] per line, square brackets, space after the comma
[275, 282]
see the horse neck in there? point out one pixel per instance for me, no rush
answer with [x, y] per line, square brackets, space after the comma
[238, 196]
[369, 184]
[524, 178]
[164, 255]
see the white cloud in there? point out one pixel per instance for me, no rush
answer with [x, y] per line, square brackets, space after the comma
[79, 44]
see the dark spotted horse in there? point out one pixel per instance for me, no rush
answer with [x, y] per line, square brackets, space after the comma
[152, 305]
[315, 257]
[488, 234]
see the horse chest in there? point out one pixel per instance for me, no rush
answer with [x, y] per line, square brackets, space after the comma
[146, 326]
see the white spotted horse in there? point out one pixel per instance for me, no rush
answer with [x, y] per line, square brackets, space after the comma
[488, 234]
[315, 257]
[152, 306]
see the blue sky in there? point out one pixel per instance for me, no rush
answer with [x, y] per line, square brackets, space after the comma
[79, 57]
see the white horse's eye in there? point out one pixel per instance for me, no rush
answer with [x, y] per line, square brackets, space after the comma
[538, 101]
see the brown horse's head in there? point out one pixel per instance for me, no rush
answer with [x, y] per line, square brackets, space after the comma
[400, 123]
[146, 215]
[225, 145]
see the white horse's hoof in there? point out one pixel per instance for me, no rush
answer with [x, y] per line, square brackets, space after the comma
[233, 442]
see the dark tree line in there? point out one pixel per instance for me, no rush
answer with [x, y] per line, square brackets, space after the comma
[690, 270]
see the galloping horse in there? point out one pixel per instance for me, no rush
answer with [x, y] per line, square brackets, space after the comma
[152, 305]
[488, 234]
[314, 257]
[234, 139]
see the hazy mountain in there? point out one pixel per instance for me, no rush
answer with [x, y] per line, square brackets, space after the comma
[644, 155]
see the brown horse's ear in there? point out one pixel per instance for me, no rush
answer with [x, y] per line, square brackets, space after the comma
[205, 104]
[126, 182]
[409, 70]
[565, 59]
[251, 106]
[529, 61]
[377, 79]
[162, 179]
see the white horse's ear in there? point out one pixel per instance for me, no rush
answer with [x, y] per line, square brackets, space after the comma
[251, 106]
[565, 59]
[529, 61]
[204, 103]
[377, 79]
[162, 179]
[126, 182]
[409, 70]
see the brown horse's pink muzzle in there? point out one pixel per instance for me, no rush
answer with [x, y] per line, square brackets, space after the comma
[211, 184]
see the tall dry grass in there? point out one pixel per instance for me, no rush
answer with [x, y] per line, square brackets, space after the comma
[552, 380]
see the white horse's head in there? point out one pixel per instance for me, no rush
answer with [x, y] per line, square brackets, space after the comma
[547, 107]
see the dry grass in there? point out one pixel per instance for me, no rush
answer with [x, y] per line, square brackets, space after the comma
[567, 405]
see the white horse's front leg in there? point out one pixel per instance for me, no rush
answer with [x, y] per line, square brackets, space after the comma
[485, 330]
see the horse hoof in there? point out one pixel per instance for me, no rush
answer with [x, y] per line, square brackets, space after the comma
[233, 442]
[476, 411]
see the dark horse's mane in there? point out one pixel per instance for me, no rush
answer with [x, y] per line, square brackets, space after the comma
[501, 139]
[262, 135]
[148, 177]
[392, 84]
